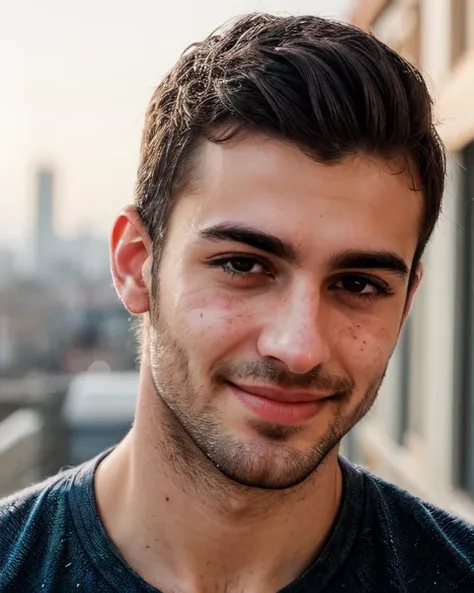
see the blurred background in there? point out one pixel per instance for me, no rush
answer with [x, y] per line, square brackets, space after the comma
[75, 80]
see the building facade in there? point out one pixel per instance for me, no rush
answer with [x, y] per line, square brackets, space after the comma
[421, 431]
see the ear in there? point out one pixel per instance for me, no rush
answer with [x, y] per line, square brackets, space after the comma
[131, 257]
[412, 290]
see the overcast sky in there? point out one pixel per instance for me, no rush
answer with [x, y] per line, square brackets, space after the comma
[75, 79]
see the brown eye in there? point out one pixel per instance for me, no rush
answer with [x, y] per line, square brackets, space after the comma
[357, 285]
[238, 265]
[360, 287]
[242, 265]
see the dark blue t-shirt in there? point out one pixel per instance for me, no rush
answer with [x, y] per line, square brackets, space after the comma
[383, 541]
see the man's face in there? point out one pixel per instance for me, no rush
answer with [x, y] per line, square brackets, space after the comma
[281, 291]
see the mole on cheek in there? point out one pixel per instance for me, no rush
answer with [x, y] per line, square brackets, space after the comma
[352, 332]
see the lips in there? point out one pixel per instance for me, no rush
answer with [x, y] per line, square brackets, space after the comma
[281, 395]
[279, 406]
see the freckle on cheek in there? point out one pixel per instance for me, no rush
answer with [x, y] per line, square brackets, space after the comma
[353, 333]
[238, 320]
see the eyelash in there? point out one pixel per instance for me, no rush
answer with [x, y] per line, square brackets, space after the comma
[380, 290]
[223, 261]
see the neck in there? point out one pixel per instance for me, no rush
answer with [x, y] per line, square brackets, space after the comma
[183, 526]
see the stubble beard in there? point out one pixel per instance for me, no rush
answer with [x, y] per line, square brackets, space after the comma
[197, 446]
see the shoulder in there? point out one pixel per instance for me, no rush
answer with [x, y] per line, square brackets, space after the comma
[420, 534]
[419, 516]
[24, 514]
[38, 529]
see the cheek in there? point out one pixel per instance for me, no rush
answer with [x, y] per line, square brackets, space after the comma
[366, 347]
[214, 321]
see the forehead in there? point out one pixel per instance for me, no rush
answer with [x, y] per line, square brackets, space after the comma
[358, 203]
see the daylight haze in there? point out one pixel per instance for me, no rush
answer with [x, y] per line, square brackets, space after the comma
[75, 79]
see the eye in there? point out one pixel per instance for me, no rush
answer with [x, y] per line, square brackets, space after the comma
[240, 265]
[357, 286]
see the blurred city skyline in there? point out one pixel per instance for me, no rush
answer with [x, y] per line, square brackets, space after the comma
[75, 80]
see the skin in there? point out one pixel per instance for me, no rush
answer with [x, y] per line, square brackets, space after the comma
[203, 495]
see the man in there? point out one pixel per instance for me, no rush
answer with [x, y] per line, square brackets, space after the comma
[289, 180]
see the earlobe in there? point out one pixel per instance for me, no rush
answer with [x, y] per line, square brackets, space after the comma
[131, 248]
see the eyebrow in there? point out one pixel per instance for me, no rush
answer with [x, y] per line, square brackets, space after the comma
[349, 259]
[374, 260]
[239, 233]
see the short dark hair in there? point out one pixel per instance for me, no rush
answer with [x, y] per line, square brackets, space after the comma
[328, 87]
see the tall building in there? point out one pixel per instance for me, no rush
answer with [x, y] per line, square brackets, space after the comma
[45, 237]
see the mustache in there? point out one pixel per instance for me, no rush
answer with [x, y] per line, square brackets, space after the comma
[262, 370]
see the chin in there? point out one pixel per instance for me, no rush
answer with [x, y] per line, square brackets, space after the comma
[276, 433]
[272, 459]
[266, 476]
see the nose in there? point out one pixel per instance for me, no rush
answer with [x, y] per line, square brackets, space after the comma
[295, 334]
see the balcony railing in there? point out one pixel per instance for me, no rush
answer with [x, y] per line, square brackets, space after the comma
[20, 448]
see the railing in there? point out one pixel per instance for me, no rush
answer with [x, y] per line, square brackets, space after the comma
[20, 449]
[45, 395]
